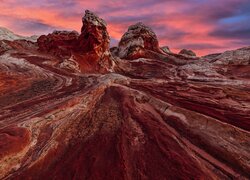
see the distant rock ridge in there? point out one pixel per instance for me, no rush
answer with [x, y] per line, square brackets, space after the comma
[187, 52]
[239, 56]
[6, 34]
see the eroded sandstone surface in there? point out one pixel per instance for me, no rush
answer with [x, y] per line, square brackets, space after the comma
[6, 34]
[71, 110]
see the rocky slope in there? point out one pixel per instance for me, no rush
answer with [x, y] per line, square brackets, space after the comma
[6, 34]
[71, 110]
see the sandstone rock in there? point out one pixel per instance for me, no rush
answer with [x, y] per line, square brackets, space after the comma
[20, 44]
[234, 57]
[4, 46]
[164, 117]
[94, 36]
[90, 49]
[114, 51]
[6, 34]
[211, 56]
[187, 52]
[58, 43]
[136, 41]
[166, 49]
[70, 64]
[93, 44]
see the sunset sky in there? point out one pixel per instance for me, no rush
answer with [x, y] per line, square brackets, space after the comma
[205, 26]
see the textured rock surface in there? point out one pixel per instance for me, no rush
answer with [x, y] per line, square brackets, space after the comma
[90, 49]
[158, 117]
[6, 34]
[234, 57]
[93, 44]
[137, 41]
[58, 43]
[4, 46]
[187, 52]
[166, 49]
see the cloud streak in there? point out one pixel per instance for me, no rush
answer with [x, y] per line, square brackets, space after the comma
[207, 26]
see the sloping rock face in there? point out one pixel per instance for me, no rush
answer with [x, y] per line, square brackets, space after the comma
[166, 49]
[163, 116]
[234, 57]
[4, 47]
[6, 34]
[187, 52]
[137, 41]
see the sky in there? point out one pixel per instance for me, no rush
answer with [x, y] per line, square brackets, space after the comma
[205, 26]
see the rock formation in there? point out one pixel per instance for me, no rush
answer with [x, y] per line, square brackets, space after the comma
[166, 49]
[93, 44]
[138, 42]
[187, 52]
[157, 115]
[58, 43]
[4, 47]
[6, 34]
[90, 49]
[234, 57]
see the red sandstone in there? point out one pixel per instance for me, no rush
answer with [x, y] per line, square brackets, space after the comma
[71, 110]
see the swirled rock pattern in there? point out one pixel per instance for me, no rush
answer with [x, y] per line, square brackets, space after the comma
[165, 116]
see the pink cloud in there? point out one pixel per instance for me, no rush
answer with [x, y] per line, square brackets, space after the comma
[178, 24]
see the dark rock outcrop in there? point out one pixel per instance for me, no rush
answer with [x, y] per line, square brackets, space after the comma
[114, 51]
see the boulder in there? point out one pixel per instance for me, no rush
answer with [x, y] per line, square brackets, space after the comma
[137, 41]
